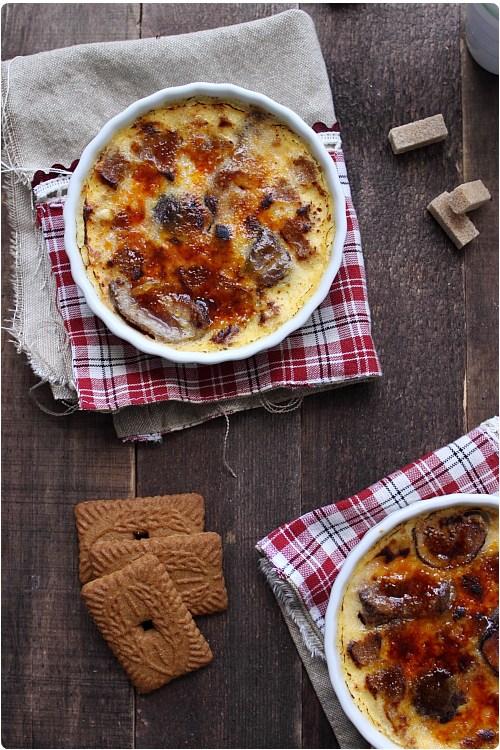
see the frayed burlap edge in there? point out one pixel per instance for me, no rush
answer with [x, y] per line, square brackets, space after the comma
[490, 426]
[20, 211]
[24, 234]
[292, 603]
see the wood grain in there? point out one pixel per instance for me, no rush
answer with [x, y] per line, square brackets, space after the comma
[176, 18]
[415, 277]
[480, 161]
[435, 321]
[61, 684]
[60, 659]
[29, 28]
[253, 685]
[390, 64]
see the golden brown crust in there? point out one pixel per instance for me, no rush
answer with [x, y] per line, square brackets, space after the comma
[162, 515]
[416, 614]
[200, 214]
[194, 562]
[146, 624]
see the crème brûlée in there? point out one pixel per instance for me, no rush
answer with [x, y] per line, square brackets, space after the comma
[205, 224]
[418, 631]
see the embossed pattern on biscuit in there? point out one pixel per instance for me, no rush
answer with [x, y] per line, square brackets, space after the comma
[194, 562]
[146, 624]
[146, 517]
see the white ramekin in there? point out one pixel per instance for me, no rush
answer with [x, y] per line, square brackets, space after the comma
[333, 657]
[115, 322]
[481, 34]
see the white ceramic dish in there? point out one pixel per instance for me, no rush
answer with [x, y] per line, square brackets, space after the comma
[222, 91]
[335, 671]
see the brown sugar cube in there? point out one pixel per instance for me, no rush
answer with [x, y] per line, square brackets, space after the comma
[417, 134]
[194, 563]
[139, 518]
[146, 624]
[469, 196]
[458, 227]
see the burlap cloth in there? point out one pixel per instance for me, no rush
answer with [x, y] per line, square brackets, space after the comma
[54, 104]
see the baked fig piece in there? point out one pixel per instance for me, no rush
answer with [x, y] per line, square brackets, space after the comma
[158, 146]
[447, 539]
[222, 232]
[489, 642]
[472, 585]
[225, 334]
[390, 683]
[111, 168]
[166, 316]
[268, 258]
[437, 696]
[182, 213]
[409, 599]
[365, 651]
[294, 232]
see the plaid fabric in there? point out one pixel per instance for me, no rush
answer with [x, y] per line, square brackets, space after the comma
[309, 552]
[334, 346]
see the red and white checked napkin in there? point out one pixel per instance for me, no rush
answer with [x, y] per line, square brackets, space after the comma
[308, 553]
[335, 345]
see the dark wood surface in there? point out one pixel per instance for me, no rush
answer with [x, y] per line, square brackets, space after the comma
[435, 317]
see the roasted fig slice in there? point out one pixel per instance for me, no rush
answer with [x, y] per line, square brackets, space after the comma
[180, 213]
[412, 598]
[111, 168]
[166, 316]
[365, 651]
[211, 202]
[158, 146]
[447, 539]
[436, 695]
[489, 642]
[225, 334]
[268, 259]
[294, 232]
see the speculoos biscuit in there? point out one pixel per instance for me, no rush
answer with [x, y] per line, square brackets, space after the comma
[193, 561]
[137, 518]
[142, 617]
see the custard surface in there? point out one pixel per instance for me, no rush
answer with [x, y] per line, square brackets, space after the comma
[205, 224]
[422, 676]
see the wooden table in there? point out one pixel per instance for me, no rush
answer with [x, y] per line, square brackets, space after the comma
[434, 319]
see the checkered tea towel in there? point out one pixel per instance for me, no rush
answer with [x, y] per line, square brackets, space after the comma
[301, 559]
[334, 347]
